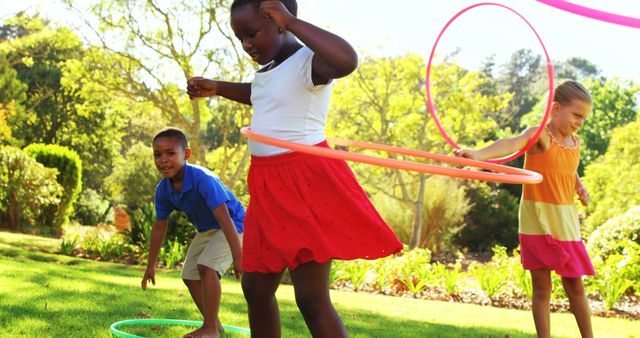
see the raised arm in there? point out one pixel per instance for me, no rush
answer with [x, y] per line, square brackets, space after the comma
[334, 57]
[499, 148]
[202, 87]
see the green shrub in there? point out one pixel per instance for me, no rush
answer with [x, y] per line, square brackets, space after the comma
[355, 272]
[618, 236]
[443, 213]
[609, 282]
[492, 219]
[69, 177]
[613, 180]
[134, 177]
[445, 207]
[491, 279]
[180, 228]
[413, 269]
[451, 278]
[91, 208]
[107, 246]
[525, 283]
[173, 253]
[25, 190]
[68, 245]
[142, 219]
[382, 268]
[557, 289]
[396, 214]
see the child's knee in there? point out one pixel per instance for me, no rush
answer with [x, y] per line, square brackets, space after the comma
[206, 272]
[256, 292]
[191, 283]
[541, 289]
[573, 286]
[311, 305]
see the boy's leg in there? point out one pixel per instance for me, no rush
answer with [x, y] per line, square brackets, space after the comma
[311, 284]
[260, 292]
[201, 280]
[210, 298]
[540, 304]
[190, 275]
[579, 305]
[195, 289]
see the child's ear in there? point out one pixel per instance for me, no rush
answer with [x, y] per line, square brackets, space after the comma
[555, 107]
[187, 153]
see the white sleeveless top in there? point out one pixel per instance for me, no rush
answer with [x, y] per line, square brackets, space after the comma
[287, 105]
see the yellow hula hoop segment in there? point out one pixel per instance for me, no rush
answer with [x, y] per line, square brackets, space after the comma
[502, 173]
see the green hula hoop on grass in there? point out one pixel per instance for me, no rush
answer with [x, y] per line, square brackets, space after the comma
[114, 327]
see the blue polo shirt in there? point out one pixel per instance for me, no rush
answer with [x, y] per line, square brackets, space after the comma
[202, 191]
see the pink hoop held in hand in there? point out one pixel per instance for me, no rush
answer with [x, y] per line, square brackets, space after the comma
[431, 105]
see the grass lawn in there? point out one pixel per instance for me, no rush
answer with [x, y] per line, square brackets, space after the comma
[48, 295]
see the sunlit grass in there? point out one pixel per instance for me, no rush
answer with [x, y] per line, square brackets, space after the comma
[48, 295]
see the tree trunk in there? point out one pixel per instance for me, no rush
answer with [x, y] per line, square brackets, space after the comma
[417, 219]
[14, 213]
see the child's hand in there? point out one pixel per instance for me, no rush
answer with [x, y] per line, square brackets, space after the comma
[583, 194]
[149, 275]
[237, 263]
[466, 153]
[198, 86]
[276, 11]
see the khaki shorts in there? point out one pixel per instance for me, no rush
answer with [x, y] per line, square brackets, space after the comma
[211, 249]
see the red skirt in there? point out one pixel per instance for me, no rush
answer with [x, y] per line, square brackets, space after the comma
[305, 208]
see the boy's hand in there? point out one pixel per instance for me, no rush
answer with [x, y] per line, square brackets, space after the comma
[198, 86]
[466, 153]
[237, 271]
[583, 194]
[237, 263]
[276, 11]
[149, 275]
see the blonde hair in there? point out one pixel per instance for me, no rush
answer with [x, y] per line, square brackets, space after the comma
[571, 90]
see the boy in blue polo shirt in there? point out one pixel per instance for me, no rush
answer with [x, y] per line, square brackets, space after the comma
[213, 210]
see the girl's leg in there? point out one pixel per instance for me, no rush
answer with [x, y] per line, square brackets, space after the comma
[311, 284]
[541, 281]
[260, 292]
[579, 304]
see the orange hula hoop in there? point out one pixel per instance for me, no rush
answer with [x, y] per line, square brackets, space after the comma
[502, 174]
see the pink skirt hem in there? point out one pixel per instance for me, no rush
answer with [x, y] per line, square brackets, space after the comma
[566, 258]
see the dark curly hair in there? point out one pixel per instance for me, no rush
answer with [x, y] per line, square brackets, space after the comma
[175, 133]
[291, 5]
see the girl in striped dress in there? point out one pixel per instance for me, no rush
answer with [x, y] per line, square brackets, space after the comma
[549, 230]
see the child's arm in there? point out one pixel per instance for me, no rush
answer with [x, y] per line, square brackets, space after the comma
[334, 57]
[582, 192]
[158, 231]
[200, 87]
[499, 148]
[221, 213]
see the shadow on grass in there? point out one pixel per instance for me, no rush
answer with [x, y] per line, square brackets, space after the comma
[76, 298]
[30, 243]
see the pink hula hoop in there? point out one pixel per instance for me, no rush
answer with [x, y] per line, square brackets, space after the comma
[432, 108]
[593, 13]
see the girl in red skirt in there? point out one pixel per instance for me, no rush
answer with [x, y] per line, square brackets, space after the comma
[304, 210]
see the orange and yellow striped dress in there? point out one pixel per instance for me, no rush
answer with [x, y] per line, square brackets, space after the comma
[549, 230]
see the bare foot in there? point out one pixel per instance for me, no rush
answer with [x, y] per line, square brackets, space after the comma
[220, 327]
[204, 332]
